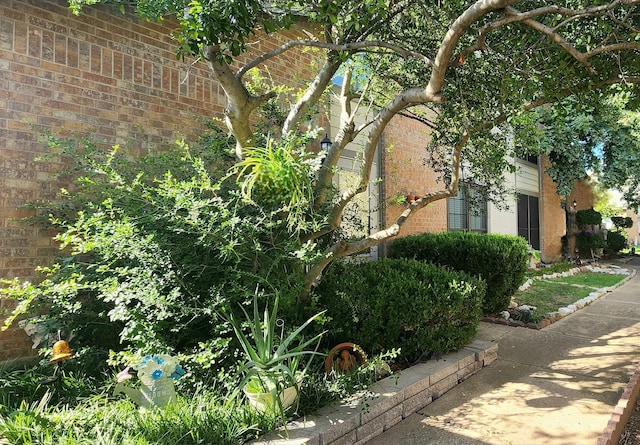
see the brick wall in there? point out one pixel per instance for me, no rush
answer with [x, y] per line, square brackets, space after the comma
[103, 73]
[632, 232]
[404, 173]
[582, 193]
[13, 342]
[553, 218]
[554, 223]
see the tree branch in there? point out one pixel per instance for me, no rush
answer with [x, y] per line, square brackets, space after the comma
[312, 94]
[343, 138]
[345, 47]
[240, 103]
[343, 248]
[554, 36]
[410, 97]
[614, 47]
[516, 16]
[451, 38]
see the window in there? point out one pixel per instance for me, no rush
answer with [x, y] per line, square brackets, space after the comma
[529, 158]
[467, 211]
[529, 220]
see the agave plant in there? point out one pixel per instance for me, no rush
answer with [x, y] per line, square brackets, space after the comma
[273, 360]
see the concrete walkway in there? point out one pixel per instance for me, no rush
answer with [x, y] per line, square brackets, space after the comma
[556, 386]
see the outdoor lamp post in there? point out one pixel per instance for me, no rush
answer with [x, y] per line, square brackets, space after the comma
[326, 143]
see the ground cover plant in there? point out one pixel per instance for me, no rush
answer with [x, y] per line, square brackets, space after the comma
[80, 409]
[205, 417]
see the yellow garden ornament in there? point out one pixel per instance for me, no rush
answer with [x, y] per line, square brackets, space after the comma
[61, 351]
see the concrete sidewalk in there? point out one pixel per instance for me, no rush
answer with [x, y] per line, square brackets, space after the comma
[556, 386]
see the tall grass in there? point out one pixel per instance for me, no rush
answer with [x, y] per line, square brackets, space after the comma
[78, 408]
[205, 418]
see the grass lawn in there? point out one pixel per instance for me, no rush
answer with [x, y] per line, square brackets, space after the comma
[548, 295]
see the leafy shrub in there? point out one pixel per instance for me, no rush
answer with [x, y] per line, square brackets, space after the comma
[588, 217]
[616, 241]
[501, 260]
[588, 240]
[275, 177]
[154, 248]
[622, 222]
[391, 303]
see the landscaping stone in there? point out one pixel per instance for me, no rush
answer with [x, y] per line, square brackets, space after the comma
[506, 317]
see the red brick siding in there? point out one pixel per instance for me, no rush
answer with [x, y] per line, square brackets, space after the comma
[404, 172]
[554, 216]
[632, 232]
[104, 73]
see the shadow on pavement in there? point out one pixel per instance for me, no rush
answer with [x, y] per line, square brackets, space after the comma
[556, 386]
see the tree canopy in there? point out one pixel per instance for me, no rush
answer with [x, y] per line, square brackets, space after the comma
[462, 68]
[601, 139]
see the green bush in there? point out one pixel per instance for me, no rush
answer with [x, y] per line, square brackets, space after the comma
[588, 240]
[501, 260]
[153, 248]
[588, 217]
[616, 241]
[417, 307]
[622, 222]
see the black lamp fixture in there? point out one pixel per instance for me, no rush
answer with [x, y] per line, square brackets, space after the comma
[575, 203]
[326, 143]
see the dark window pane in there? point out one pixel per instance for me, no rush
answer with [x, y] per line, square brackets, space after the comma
[534, 214]
[529, 220]
[523, 212]
[534, 239]
[462, 215]
[529, 158]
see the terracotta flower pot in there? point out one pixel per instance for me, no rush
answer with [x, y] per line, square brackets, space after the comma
[344, 358]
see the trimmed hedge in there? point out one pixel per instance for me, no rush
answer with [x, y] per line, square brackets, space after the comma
[417, 307]
[616, 241]
[501, 260]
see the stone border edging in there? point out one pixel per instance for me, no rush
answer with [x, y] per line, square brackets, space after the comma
[621, 413]
[387, 402]
[562, 312]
